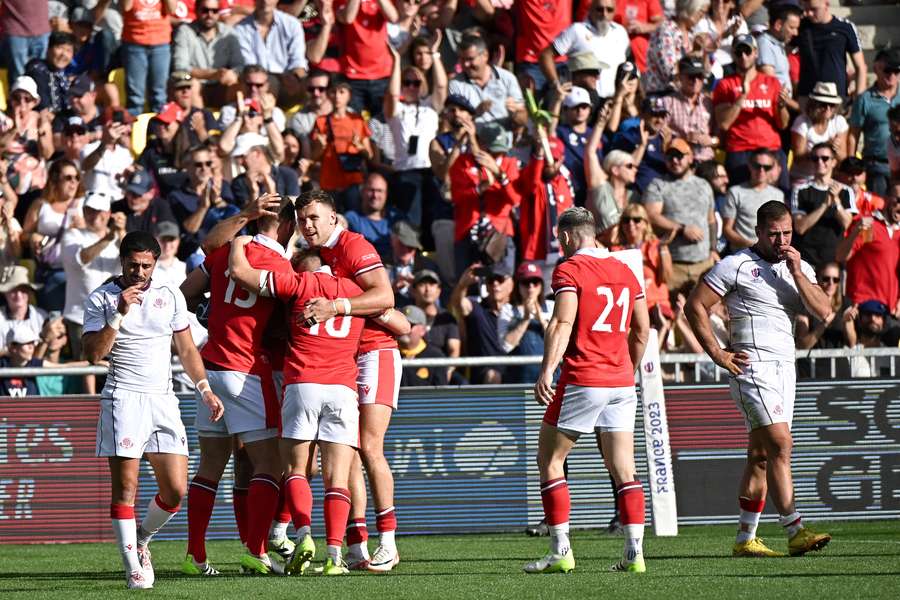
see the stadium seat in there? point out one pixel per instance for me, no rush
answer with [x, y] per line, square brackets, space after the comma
[4, 88]
[290, 112]
[117, 76]
[139, 133]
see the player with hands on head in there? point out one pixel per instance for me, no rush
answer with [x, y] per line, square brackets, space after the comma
[764, 287]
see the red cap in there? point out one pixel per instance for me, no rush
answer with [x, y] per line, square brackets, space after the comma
[557, 150]
[170, 113]
[529, 270]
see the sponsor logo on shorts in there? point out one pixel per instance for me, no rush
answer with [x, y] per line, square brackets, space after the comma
[366, 389]
[649, 367]
[777, 410]
[183, 441]
[126, 443]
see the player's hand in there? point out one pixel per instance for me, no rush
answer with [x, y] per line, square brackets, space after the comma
[212, 402]
[791, 255]
[265, 205]
[318, 310]
[130, 295]
[733, 362]
[543, 389]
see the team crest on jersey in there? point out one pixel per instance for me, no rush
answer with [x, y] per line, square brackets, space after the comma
[764, 88]
[159, 302]
[756, 272]
[126, 443]
[649, 367]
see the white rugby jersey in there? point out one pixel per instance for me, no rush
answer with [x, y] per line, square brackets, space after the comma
[141, 356]
[762, 301]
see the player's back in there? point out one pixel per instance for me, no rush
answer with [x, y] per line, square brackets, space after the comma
[324, 353]
[238, 317]
[597, 355]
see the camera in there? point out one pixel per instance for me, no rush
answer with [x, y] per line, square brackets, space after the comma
[118, 116]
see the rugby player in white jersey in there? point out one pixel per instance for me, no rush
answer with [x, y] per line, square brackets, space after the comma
[764, 287]
[133, 319]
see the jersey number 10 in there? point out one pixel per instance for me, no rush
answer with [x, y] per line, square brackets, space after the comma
[331, 329]
[607, 294]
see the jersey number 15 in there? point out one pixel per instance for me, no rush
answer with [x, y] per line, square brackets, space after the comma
[607, 294]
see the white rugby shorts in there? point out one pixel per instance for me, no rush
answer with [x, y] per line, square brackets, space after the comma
[580, 409]
[379, 377]
[132, 423]
[251, 407]
[764, 393]
[315, 411]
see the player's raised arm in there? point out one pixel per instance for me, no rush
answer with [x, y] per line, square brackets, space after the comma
[639, 331]
[556, 340]
[814, 297]
[99, 340]
[239, 269]
[266, 205]
[697, 312]
[193, 366]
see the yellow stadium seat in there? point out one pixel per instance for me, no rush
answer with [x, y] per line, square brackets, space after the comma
[4, 88]
[117, 76]
[139, 133]
[290, 112]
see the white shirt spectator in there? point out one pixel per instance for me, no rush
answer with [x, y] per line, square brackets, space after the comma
[229, 112]
[81, 278]
[34, 322]
[610, 49]
[284, 48]
[836, 126]
[510, 316]
[722, 55]
[102, 178]
[410, 120]
[174, 273]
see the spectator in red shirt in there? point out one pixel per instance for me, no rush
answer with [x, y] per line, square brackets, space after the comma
[539, 22]
[483, 194]
[641, 18]
[366, 61]
[871, 251]
[750, 109]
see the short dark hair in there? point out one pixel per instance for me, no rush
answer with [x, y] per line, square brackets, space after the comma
[708, 170]
[763, 152]
[824, 146]
[318, 73]
[337, 80]
[250, 70]
[139, 241]
[577, 217]
[473, 41]
[770, 211]
[61, 38]
[286, 213]
[320, 196]
[782, 12]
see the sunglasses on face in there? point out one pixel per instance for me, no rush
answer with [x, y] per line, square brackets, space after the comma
[412, 83]
[892, 71]
[743, 50]
[208, 9]
[821, 158]
[674, 155]
[320, 89]
[530, 282]
[826, 279]
[762, 167]
[22, 98]
[632, 220]
[496, 279]
[70, 177]
[200, 164]
[607, 9]
[253, 84]
[629, 166]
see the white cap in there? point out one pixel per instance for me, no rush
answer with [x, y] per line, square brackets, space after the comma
[577, 96]
[21, 334]
[246, 141]
[97, 200]
[26, 84]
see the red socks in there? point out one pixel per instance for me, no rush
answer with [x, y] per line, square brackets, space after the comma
[201, 499]
[283, 514]
[337, 509]
[357, 532]
[631, 503]
[262, 499]
[299, 500]
[386, 520]
[556, 501]
[239, 503]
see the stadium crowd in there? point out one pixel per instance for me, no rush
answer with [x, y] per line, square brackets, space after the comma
[451, 135]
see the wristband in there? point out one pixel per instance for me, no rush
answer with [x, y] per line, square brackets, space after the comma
[116, 321]
[436, 55]
[203, 386]
[268, 120]
[346, 303]
[385, 317]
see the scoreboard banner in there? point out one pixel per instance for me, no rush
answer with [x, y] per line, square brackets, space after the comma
[464, 461]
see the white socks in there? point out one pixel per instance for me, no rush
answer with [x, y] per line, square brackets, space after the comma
[634, 541]
[791, 523]
[126, 537]
[559, 539]
[387, 540]
[278, 531]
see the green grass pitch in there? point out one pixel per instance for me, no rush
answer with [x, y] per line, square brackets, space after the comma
[862, 561]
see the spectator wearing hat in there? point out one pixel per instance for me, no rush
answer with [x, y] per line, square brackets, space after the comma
[203, 199]
[626, 104]
[864, 327]
[493, 91]
[142, 206]
[871, 254]
[690, 110]
[83, 111]
[146, 51]
[743, 201]
[538, 23]
[646, 141]
[168, 266]
[682, 211]
[869, 120]
[545, 186]
[443, 330]
[275, 41]
[820, 123]
[405, 258]
[523, 321]
[784, 23]
[106, 160]
[26, 31]
[18, 311]
[261, 175]
[584, 69]
[50, 73]
[825, 42]
[599, 34]
[20, 346]
[640, 18]
[90, 256]
[822, 209]
[210, 51]
[483, 185]
[673, 39]
[342, 142]
[28, 133]
[415, 345]
[479, 316]
[375, 218]
[750, 108]
[573, 131]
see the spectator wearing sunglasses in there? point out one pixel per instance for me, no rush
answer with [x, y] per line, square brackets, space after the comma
[317, 105]
[821, 123]
[750, 107]
[814, 333]
[690, 110]
[822, 208]
[743, 201]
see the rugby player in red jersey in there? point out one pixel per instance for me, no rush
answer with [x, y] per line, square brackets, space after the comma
[598, 330]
